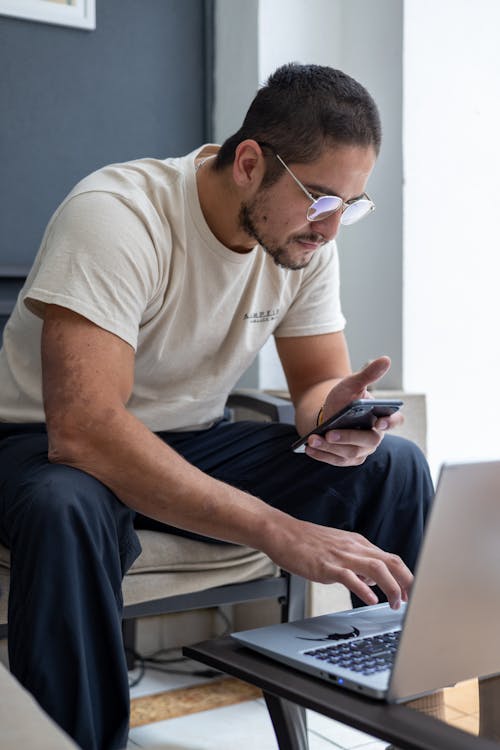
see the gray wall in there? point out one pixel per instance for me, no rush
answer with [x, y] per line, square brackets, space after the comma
[73, 100]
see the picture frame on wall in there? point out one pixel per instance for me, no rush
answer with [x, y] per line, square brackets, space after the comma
[79, 13]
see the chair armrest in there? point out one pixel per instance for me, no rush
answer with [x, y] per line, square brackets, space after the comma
[277, 409]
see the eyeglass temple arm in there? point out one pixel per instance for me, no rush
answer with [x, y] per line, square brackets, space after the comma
[297, 182]
[306, 191]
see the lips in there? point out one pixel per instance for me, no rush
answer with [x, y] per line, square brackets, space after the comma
[311, 241]
[306, 245]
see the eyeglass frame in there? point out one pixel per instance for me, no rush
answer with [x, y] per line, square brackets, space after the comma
[343, 204]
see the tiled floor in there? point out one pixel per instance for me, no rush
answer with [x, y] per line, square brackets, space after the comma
[245, 726]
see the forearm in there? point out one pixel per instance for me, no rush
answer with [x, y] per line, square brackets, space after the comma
[313, 366]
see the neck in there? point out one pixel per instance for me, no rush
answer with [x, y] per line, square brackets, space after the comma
[220, 203]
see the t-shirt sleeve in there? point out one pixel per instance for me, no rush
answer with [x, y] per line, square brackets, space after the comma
[99, 260]
[316, 307]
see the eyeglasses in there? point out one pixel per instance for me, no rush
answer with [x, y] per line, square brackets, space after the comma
[326, 205]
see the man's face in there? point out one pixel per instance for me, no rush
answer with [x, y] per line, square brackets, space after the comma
[276, 216]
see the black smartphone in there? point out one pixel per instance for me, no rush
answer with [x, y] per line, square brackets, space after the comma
[358, 415]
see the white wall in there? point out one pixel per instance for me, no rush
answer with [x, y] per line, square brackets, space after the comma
[435, 307]
[451, 220]
[363, 38]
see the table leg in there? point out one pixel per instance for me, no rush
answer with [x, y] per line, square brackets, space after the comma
[289, 722]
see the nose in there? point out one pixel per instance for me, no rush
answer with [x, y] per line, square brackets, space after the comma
[329, 226]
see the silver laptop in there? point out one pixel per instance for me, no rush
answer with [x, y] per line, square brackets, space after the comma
[450, 629]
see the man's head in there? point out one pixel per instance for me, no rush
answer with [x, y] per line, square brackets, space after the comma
[324, 126]
[301, 110]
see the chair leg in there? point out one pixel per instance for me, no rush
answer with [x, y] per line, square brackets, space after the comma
[129, 634]
[294, 607]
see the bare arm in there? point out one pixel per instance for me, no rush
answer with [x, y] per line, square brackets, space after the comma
[313, 365]
[87, 381]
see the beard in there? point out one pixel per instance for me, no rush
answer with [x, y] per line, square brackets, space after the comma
[281, 254]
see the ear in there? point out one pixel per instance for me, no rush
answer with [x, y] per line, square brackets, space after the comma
[249, 164]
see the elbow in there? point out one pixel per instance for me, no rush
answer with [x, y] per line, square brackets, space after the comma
[72, 441]
[65, 444]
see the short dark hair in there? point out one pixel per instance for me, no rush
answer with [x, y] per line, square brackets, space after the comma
[303, 108]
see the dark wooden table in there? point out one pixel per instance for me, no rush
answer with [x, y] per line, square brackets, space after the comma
[288, 693]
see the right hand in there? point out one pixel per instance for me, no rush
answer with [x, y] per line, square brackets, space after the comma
[344, 447]
[329, 555]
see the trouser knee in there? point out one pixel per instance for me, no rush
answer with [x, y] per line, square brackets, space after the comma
[66, 509]
[403, 463]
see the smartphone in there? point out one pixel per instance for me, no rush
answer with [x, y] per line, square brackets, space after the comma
[358, 415]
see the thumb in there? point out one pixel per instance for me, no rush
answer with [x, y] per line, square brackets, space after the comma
[354, 386]
[370, 373]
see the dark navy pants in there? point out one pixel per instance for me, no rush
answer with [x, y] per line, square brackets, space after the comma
[72, 540]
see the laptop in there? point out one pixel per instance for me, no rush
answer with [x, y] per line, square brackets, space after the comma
[450, 629]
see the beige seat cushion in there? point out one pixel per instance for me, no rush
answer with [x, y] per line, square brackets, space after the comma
[171, 565]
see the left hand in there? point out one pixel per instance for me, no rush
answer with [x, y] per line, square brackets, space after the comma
[352, 447]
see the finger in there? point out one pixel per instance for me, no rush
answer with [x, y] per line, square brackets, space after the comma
[340, 455]
[357, 586]
[371, 372]
[401, 572]
[388, 423]
[353, 386]
[352, 449]
[334, 459]
[387, 583]
[390, 574]
[368, 581]
[366, 439]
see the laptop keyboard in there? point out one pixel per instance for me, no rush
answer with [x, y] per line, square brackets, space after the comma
[365, 655]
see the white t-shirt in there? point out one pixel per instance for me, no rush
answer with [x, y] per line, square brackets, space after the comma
[130, 250]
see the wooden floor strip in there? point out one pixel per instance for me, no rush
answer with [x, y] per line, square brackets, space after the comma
[174, 703]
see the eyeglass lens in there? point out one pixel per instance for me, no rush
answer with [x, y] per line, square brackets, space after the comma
[323, 207]
[326, 205]
[356, 211]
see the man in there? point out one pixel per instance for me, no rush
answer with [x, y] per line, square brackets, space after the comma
[156, 284]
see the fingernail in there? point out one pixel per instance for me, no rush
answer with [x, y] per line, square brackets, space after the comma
[315, 443]
[383, 425]
[333, 437]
